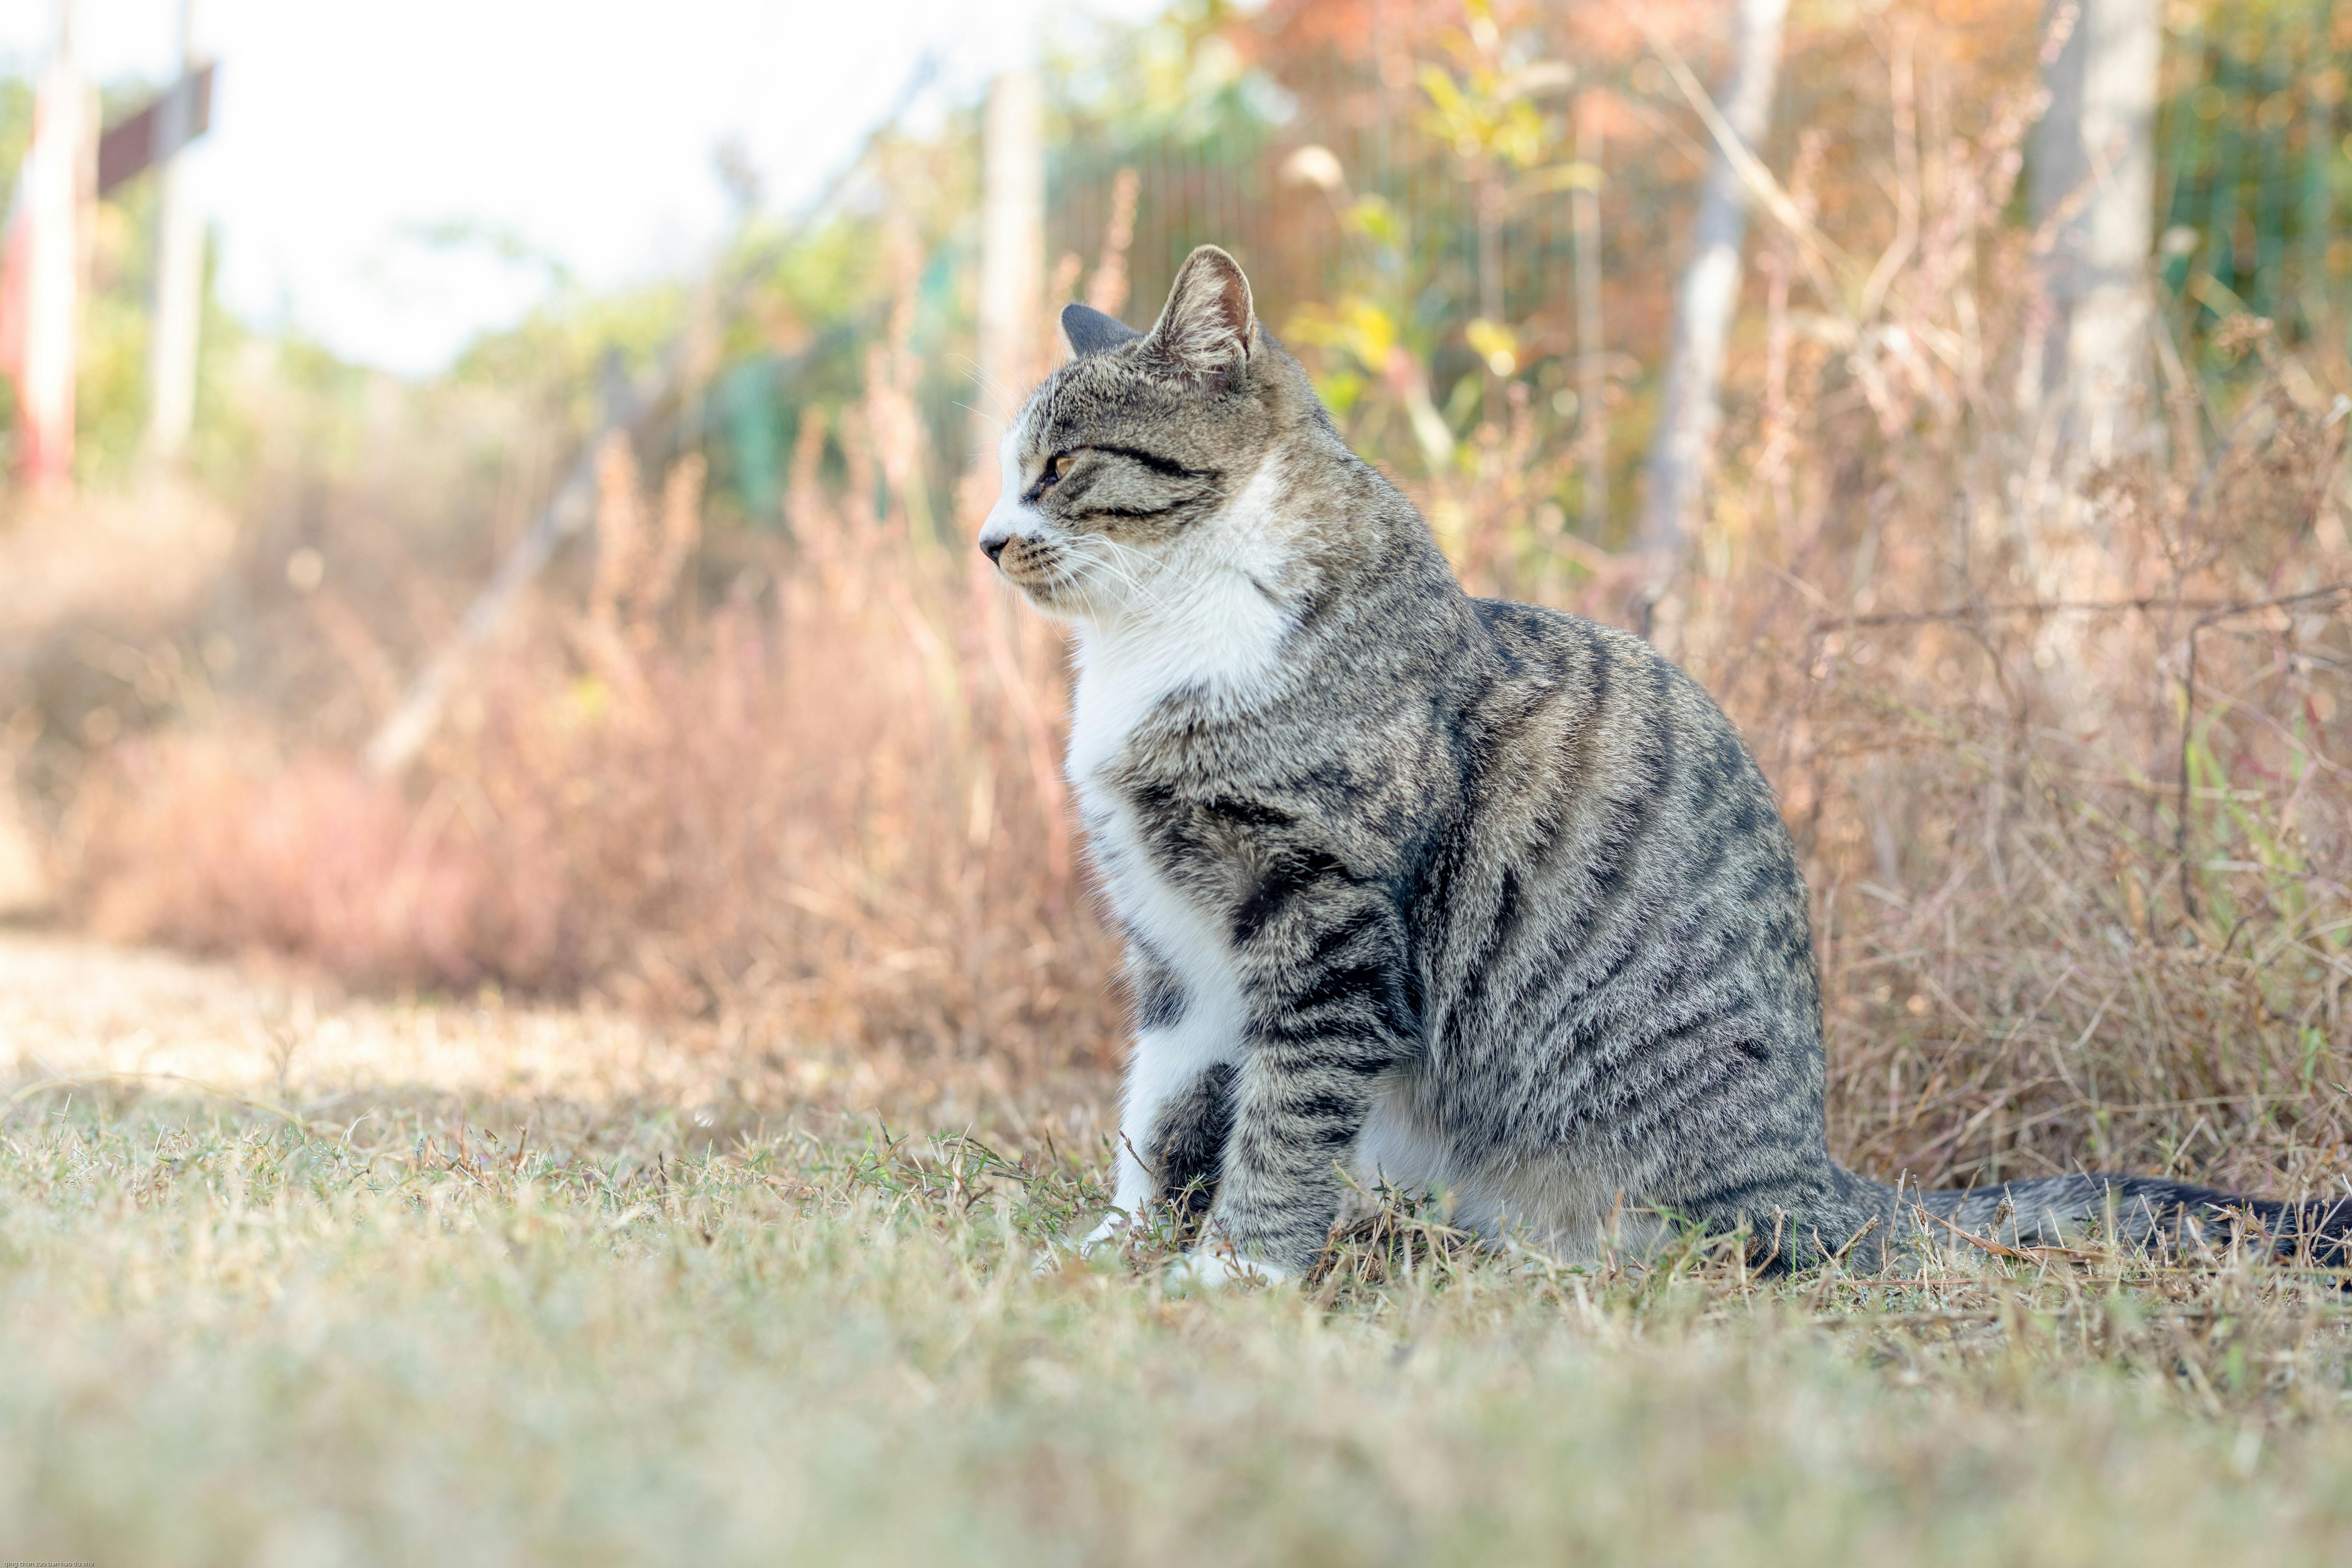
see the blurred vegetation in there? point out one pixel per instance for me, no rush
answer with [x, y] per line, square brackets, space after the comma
[1431, 220]
[818, 793]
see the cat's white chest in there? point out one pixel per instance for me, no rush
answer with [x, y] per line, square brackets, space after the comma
[1113, 701]
[1116, 692]
[1219, 645]
[1204, 623]
[1223, 653]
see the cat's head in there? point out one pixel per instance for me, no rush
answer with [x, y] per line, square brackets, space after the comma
[1121, 472]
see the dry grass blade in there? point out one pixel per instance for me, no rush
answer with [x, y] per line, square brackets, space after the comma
[79, 1079]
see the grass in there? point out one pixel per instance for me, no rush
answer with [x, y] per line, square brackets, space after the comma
[579, 1319]
[643, 1278]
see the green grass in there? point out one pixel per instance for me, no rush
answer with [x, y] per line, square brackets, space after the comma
[231, 1339]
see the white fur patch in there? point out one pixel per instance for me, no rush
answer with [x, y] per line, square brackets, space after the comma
[1204, 1270]
[1165, 1061]
[1200, 624]
[1200, 619]
[1008, 519]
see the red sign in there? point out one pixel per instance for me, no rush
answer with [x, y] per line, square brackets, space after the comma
[147, 138]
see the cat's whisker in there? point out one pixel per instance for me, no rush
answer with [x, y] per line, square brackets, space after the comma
[1153, 588]
[988, 385]
[1125, 578]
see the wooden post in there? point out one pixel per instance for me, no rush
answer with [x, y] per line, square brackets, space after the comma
[44, 266]
[1012, 241]
[179, 267]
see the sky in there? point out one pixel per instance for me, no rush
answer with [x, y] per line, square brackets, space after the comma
[393, 179]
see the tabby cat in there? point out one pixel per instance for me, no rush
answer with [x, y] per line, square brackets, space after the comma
[1447, 894]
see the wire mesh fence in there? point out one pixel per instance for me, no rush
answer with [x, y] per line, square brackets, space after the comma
[2256, 165]
[2253, 192]
[2252, 207]
[1227, 184]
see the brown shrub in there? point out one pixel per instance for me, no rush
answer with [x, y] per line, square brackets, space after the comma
[219, 842]
[831, 810]
[815, 810]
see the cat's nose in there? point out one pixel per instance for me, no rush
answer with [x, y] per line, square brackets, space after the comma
[993, 545]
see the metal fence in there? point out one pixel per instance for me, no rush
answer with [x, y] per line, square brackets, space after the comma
[2255, 165]
[1224, 185]
[2254, 188]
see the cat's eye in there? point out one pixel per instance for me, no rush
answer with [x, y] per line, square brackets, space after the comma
[1057, 467]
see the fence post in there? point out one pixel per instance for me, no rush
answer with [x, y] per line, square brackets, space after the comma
[179, 266]
[44, 267]
[1013, 237]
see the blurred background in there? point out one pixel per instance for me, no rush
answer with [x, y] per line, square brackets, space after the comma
[489, 492]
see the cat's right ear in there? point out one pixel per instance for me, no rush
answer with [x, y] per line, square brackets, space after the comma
[1205, 331]
[1090, 331]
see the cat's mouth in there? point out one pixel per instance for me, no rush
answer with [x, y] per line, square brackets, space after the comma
[1034, 566]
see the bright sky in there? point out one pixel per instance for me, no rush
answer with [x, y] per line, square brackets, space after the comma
[346, 134]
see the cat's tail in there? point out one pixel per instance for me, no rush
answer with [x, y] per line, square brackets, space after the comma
[2136, 1211]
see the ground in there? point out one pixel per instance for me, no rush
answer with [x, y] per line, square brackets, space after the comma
[366, 1281]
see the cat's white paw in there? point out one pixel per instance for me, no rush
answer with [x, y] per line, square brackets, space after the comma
[1109, 1234]
[1208, 1270]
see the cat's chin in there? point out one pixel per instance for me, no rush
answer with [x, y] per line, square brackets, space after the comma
[1060, 599]
[1057, 600]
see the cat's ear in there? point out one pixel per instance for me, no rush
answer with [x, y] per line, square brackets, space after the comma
[1203, 333]
[1091, 332]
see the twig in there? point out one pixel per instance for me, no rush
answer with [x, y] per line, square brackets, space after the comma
[1815, 251]
[2216, 610]
[1904, 1320]
[2024, 1254]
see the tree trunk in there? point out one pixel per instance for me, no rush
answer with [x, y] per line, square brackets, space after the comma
[1692, 404]
[1592, 368]
[2093, 194]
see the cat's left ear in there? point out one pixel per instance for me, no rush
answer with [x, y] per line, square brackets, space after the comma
[1204, 331]
[1091, 332]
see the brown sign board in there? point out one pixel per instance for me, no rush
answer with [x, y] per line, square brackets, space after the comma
[137, 144]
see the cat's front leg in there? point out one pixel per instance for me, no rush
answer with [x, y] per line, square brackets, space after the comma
[1331, 1013]
[1177, 1105]
[1171, 1145]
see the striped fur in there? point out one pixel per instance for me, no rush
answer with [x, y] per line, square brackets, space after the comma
[1444, 893]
